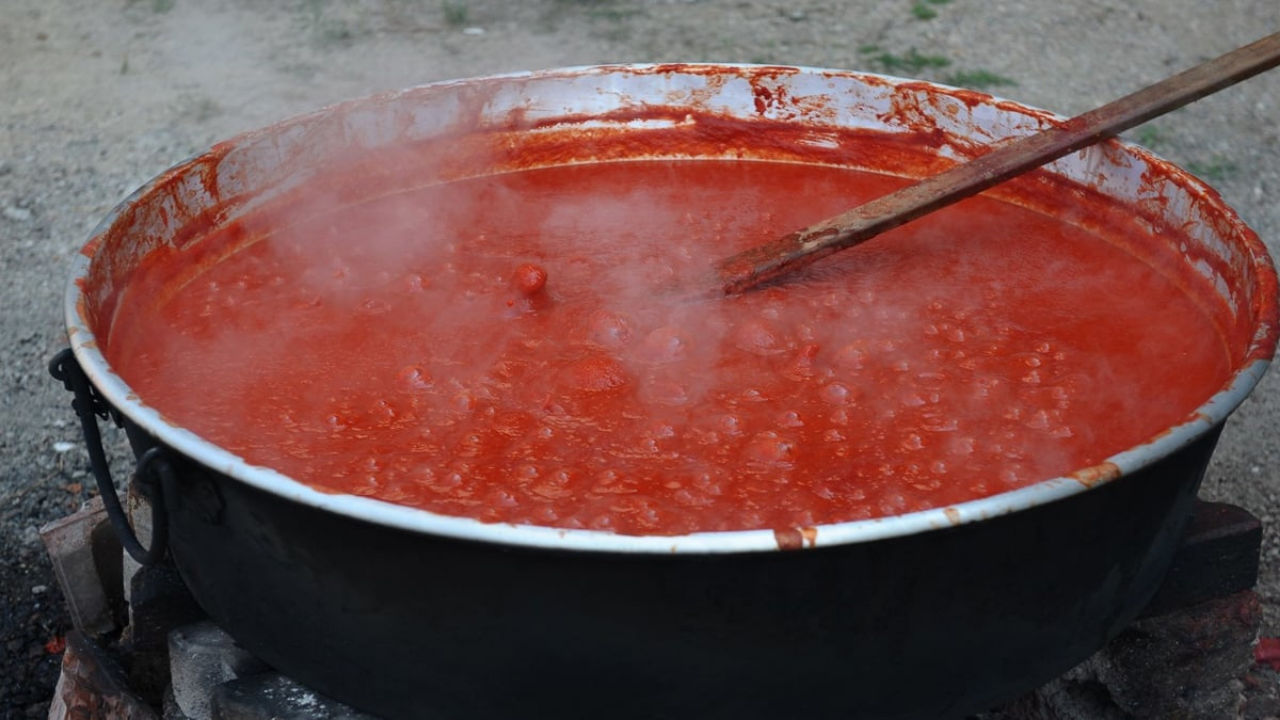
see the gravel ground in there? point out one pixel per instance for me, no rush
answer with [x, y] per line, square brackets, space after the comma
[100, 95]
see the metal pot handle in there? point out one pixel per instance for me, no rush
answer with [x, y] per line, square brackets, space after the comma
[153, 471]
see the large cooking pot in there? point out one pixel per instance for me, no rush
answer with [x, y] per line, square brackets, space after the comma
[405, 613]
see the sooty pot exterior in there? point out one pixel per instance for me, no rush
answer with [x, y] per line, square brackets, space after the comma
[937, 624]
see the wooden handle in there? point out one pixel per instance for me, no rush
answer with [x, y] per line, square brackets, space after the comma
[790, 252]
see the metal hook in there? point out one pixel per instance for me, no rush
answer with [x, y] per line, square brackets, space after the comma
[89, 407]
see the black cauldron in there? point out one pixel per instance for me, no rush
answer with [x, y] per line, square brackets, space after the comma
[405, 613]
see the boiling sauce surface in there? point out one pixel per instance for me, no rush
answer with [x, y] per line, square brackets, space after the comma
[525, 348]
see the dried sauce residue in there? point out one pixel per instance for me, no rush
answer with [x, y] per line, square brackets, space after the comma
[796, 538]
[1096, 475]
[764, 97]
[906, 111]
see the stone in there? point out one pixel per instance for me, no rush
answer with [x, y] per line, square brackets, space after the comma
[272, 695]
[201, 657]
[17, 214]
[1218, 555]
[170, 707]
[1184, 665]
[1262, 694]
[82, 548]
[92, 686]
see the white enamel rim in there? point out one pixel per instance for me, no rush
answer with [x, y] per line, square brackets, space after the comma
[115, 391]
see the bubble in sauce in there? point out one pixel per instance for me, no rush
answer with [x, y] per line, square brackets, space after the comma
[666, 392]
[413, 377]
[543, 512]
[1039, 420]
[757, 336]
[770, 448]
[445, 483]
[556, 485]
[385, 411]
[688, 498]
[610, 482]
[596, 373]
[893, 503]
[852, 357]
[609, 328]
[802, 364]
[730, 424]
[501, 497]
[367, 485]
[837, 393]
[912, 442]
[665, 344]
[790, 419]
[415, 282]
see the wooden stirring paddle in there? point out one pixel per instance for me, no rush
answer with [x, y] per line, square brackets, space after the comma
[790, 252]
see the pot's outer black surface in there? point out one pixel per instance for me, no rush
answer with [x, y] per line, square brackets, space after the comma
[938, 624]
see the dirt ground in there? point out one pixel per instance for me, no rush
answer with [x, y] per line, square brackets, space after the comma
[97, 96]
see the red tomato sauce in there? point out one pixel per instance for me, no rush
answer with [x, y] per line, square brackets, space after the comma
[534, 348]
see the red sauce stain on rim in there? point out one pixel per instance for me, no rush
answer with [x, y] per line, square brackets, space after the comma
[1096, 475]
[796, 538]
[91, 248]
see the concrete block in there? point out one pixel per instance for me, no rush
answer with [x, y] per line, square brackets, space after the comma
[272, 695]
[83, 549]
[202, 657]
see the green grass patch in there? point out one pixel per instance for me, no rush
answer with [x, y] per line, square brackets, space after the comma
[613, 14]
[978, 79]
[911, 62]
[456, 13]
[1149, 136]
[923, 11]
[1217, 169]
[326, 30]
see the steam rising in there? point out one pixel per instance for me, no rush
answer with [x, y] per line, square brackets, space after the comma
[384, 349]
